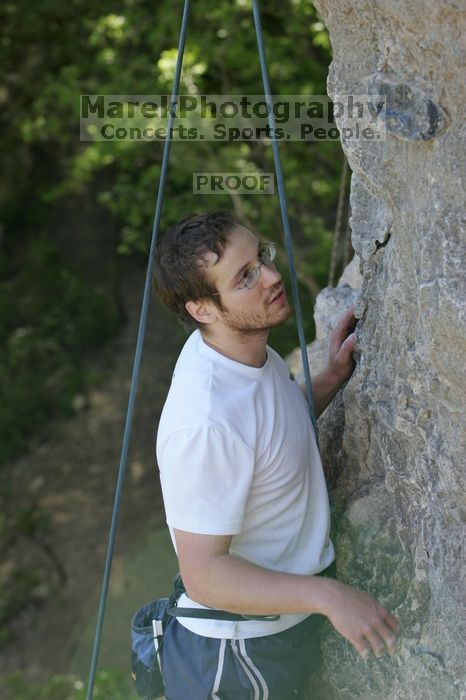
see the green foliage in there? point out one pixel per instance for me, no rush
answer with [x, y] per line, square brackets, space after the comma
[49, 319]
[110, 685]
[134, 51]
[23, 583]
[18, 587]
[51, 313]
[52, 52]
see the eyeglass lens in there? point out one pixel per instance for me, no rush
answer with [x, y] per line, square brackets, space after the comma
[266, 256]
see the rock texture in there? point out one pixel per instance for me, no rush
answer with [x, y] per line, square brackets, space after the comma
[394, 441]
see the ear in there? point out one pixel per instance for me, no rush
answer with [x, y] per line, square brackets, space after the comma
[202, 311]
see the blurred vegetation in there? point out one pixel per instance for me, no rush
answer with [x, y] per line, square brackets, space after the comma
[109, 685]
[71, 211]
[52, 312]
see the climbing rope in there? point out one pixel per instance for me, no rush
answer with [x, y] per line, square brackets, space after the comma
[146, 298]
[284, 213]
[340, 234]
[137, 356]
[348, 250]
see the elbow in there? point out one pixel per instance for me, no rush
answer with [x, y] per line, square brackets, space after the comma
[194, 584]
[200, 587]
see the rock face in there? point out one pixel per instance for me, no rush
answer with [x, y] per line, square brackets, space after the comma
[394, 440]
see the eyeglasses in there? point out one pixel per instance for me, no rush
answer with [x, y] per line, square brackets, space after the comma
[266, 255]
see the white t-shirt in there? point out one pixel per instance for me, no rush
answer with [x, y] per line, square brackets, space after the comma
[238, 456]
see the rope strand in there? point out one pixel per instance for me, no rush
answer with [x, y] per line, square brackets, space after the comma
[284, 213]
[339, 234]
[137, 359]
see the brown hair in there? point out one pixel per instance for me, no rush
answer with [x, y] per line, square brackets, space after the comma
[179, 273]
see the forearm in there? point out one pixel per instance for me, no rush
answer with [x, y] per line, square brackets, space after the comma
[324, 387]
[221, 580]
[229, 583]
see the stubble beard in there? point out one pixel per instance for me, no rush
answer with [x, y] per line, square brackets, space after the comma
[248, 324]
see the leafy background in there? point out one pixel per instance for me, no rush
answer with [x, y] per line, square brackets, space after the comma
[75, 216]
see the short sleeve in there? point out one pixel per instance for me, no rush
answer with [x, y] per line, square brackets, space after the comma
[206, 475]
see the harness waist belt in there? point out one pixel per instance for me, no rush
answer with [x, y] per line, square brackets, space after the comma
[212, 613]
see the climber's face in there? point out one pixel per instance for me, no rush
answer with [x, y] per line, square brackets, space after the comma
[250, 288]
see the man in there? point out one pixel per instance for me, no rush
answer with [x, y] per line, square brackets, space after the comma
[242, 481]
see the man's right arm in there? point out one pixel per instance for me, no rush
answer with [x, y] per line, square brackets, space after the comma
[220, 580]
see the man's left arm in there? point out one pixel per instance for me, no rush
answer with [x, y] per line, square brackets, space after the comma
[340, 362]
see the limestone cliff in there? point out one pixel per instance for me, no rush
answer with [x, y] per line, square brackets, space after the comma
[394, 442]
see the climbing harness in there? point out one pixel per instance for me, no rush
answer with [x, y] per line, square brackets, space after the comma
[146, 297]
[341, 237]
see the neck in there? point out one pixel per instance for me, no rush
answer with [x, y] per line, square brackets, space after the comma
[249, 348]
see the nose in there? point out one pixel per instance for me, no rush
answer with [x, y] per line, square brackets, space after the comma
[270, 275]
